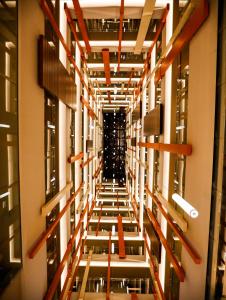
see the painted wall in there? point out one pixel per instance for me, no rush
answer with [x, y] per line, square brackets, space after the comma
[201, 111]
[30, 283]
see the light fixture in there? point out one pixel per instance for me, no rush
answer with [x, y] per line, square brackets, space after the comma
[187, 207]
[115, 89]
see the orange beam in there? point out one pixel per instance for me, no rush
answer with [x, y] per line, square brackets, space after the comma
[89, 108]
[69, 274]
[81, 24]
[135, 214]
[130, 78]
[192, 252]
[131, 174]
[120, 33]
[199, 15]
[73, 29]
[106, 60]
[98, 224]
[45, 234]
[134, 296]
[121, 242]
[95, 175]
[48, 13]
[156, 275]
[76, 271]
[109, 269]
[53, 286]
[131, 149]
[73, 158]
[82, 165]
[183, 149]
[157, 34]
[178, 269]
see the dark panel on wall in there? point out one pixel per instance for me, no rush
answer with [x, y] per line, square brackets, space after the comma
[89, 145]
[53, 76]
[133, 142]
[153, 121]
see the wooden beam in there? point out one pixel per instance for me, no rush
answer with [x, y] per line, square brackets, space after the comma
[85, 277]
[73, 158]
[182, 149]
[193, 24]
[120, 33]
[82, 165]
[73, 30]
[81, 24]
[48, 232]
[53, 286]
[89, 108]
[98, 223]
[121, 242]
[177, 267]
[191, 251]
[47, 207]
[131, 174]
[154, 273]
[106, 60]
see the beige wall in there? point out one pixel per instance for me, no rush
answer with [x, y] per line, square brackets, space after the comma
[30, 282]
[201, 111]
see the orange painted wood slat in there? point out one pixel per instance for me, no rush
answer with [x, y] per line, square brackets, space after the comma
[95, 175]
[183, 149]
[156, 275]
[131, 174]
[69, 275]
[73, 259]
[178, 269]
[120, 33]
[98, 223]
[131, 149]
[121, 242]
[53, 286]
[89, 108]
[135, 213]
[192, 252]
[106, 60]
[48, 232]
[130, 78]
[134, 296]
[76, 271]
[73, 158]
[109, 269]
[197, 18]
[157, 33]
[82, 165]
[73, 29]
[81, 24]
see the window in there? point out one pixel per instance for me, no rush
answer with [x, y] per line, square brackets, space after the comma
[10, 233]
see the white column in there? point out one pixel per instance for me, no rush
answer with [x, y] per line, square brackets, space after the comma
[78, 134]
[151, 105]
[166, 139]
[142, 159]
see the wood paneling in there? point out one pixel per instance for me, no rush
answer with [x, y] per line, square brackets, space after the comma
[53, 76]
